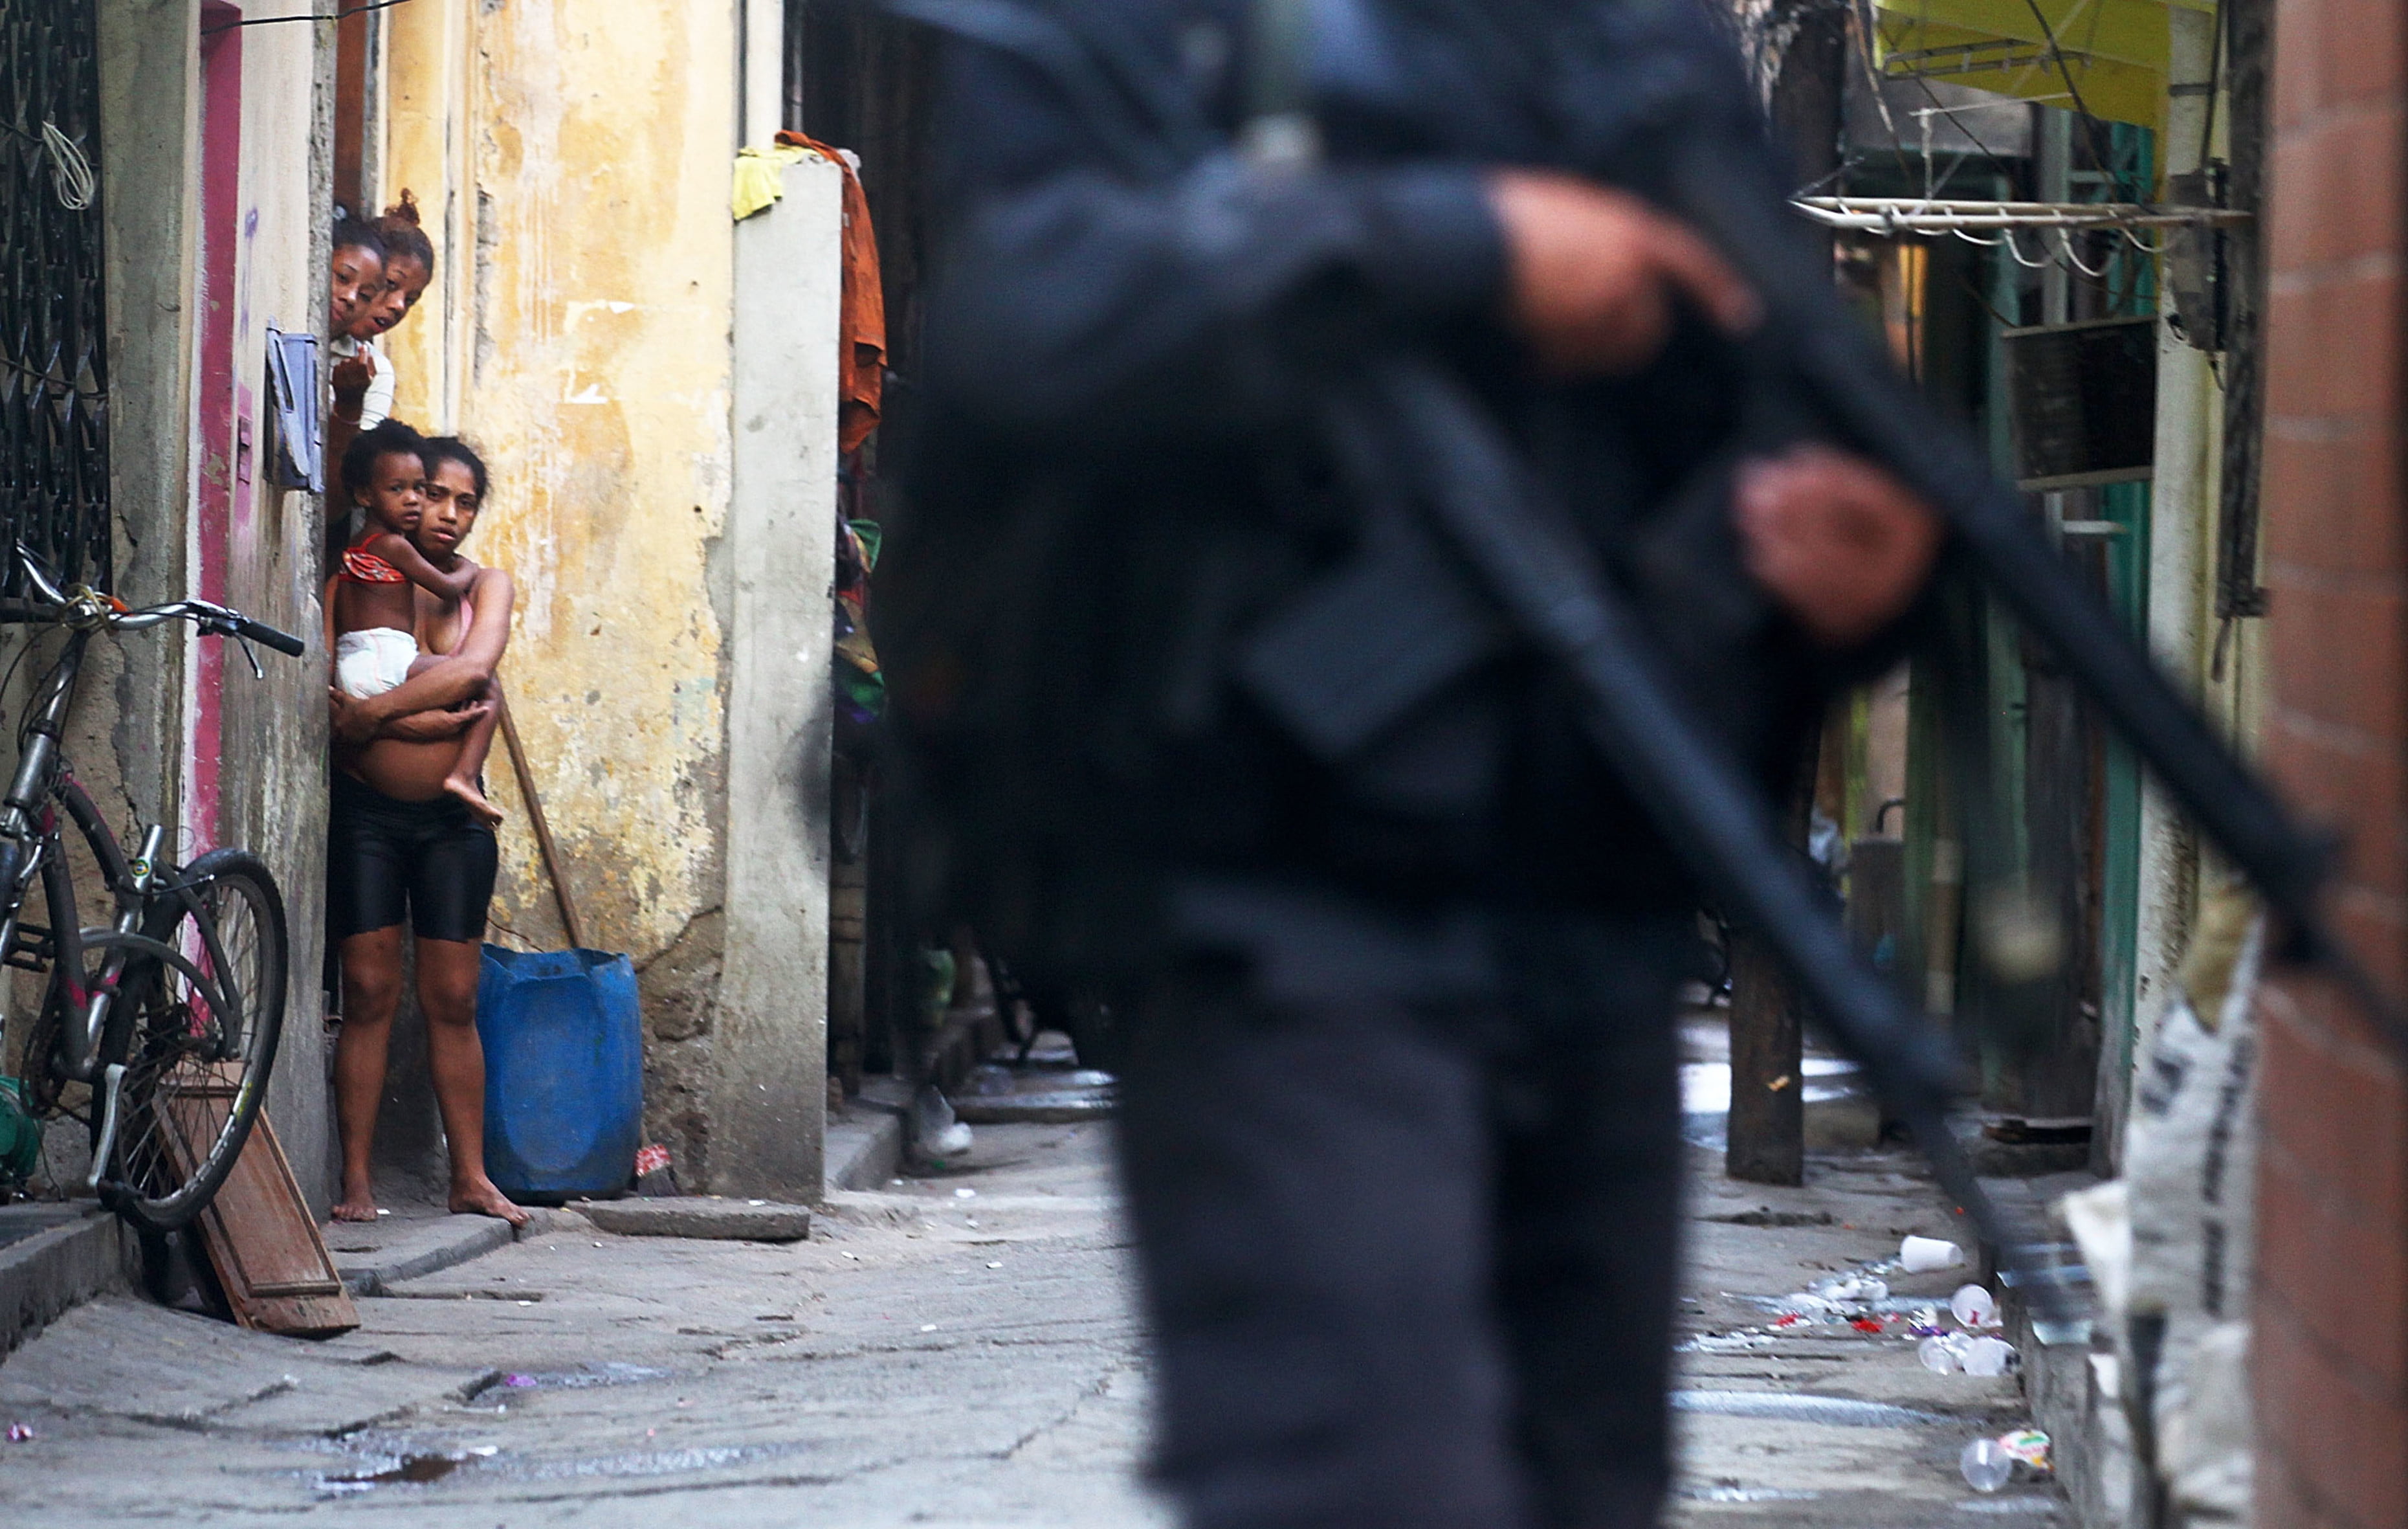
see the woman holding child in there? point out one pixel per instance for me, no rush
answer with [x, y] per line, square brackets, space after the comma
[419, 631]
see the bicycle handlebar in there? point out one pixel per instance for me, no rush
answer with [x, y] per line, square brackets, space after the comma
[212, 618]
[267, 636]
[209, 616]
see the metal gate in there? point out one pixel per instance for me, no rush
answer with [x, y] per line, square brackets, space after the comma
[53, 342]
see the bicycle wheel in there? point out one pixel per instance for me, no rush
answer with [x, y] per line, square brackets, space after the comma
[199, 1012]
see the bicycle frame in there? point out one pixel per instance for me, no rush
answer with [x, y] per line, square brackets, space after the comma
[96, 1043]
[31, 845]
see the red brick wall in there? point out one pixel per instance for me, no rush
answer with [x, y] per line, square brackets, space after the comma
[2332, 1297]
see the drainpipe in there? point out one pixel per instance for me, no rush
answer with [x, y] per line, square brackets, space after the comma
[2188, 446]
[761, 71]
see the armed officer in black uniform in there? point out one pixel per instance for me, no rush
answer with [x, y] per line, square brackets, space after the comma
[1401, 1112]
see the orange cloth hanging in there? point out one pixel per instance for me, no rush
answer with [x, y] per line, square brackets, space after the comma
[861, 360]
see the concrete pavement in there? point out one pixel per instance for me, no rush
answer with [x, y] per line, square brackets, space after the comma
[930, 1356]
[1818, 1423]
[925, 1358]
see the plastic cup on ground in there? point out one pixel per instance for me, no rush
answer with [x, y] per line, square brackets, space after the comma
[1989, 1357]
[1940, 1356]
[1921, 1255]
[1975, 1306]
[1986, 1466]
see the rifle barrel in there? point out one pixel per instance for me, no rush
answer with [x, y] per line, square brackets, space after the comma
[1824, 356]
[1532, 559]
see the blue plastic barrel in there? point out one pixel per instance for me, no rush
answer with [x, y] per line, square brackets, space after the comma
[564, 1072]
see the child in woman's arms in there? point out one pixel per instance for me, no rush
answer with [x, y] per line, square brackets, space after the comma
[375, 611]
[454, 494]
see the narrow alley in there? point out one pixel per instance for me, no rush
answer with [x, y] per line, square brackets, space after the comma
[957, 1349]
[719, 705]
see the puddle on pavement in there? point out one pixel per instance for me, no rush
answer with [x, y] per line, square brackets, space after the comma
[1706, 1085]
[646, 1463]
[1894, 1306]
[403, 1469]
[1765, 1216]
[425, 1468]
[1731, 1491]
[500, 1386]
[1706, 1090]
[1837, 1411]
[1726, 1343]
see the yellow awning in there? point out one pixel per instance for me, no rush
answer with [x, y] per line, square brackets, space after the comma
[2113, 51]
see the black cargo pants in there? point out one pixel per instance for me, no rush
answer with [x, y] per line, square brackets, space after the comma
[1409, 1265]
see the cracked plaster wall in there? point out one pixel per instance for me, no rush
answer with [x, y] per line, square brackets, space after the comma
[573, 158]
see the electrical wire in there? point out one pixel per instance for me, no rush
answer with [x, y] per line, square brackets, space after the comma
[1867, 23]
[1880, 99]
[2015, 250]
[1867, 26]
[2065, 72]
[71, 174]
[2065, 244]
[1998, 167]
[343, 13]
[1838, 172]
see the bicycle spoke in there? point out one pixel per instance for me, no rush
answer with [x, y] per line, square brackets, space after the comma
[157, 1124]
[240, 945]
[199, 1031]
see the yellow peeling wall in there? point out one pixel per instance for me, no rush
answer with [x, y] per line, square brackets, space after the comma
[572, 156]
[572, 159]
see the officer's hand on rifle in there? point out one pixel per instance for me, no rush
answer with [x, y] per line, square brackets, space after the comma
[1839, 541]
[1595, 274]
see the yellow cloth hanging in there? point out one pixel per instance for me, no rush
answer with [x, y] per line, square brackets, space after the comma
[761, 178]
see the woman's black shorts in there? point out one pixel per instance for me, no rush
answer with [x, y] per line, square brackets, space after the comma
[386, 861]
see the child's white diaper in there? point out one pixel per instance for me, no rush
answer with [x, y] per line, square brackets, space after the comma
[371, 662]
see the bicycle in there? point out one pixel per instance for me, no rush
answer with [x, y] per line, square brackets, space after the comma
[169, 1016]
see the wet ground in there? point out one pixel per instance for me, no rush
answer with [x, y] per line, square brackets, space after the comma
[956, 1351]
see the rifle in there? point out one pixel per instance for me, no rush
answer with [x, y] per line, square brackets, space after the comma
[1467, 549]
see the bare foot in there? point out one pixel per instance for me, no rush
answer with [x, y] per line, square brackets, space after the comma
[482, 1198]
[482, 810]
[356, 1205]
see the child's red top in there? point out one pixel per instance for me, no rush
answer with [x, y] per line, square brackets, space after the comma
[363, 567]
